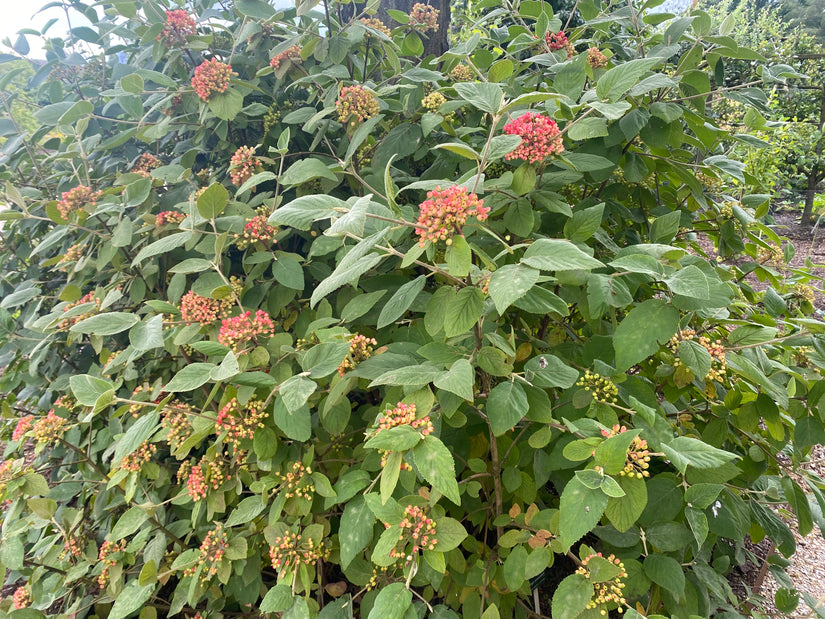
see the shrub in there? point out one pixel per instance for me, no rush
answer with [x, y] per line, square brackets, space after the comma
[257, 378]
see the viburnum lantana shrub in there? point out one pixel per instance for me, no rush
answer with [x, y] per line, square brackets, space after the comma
[284, 333]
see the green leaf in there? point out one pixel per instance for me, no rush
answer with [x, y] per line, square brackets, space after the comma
[391, 602]
[296, 391]
[417, 375]
[128, 523]
[463, 311]
[510, 283]
[297, 424]
[618, 80]
[514, 567]
[141, 431]
[462, 149]
[87, 389]
[106, 324]
[506, 405]
[147, 334]
[303, 211]
[459, 257]
[612, 453]
[666, 572]
[558, 255]
[247, 509]
[401, 301]
[571, 597]
[623, 512]
[690, 282]
[584, 223]
[588, 128]
[277, 599]
[580, 510]
[435, 463]
[360, 305]
[696, 357]
[226, 105]
[355, 532]
[684, 451]
[130, 599]
[212, 201]
[399, 438]
[643, 330]
[76, 112]
[190, 377]
[191, 265]
[500, 145]
[548, 371]
[305, 170]
[349, 270]
[162, 246]
[450, 533]
[483, 95]
[459, 380]
[257, 9]
[602, 570]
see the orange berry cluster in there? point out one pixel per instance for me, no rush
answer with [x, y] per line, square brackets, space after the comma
[76, 199]
[375, 24]
[195, 481]
[179, 25]
[175, 420]
[444, 212]
[609, 591]
[134, 461]
[360, 349]
[238, 422]
[293, 55]
[211, 77]
[105, 556]
[212, 550]
[21, 598]
[290, 551]
[297, 482]
[423, 17]
[71, 545]
[73, 254]
[718, 364]
[602, 389]
[197, 309]
[596, 59]
[145, 164]
[168, 217]
[416, 528]
[49, 429]
[462, 73]
[355, 104]
[638, 455]
[243, 164]
[237, 332]
[24, 424]
[87, 298]
[255, 230]
[540, 137]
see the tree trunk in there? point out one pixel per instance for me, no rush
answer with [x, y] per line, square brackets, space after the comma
[816, 173]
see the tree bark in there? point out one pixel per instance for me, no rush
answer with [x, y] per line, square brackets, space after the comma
[816, 173]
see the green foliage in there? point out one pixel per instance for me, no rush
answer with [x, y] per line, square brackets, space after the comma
[317, 376]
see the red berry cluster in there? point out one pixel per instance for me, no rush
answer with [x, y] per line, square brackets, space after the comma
[256, 230]
[23, 426]
[168, 217]
[105, 556]
[179, 25]
[145, 164]
[638, 455]
[605, 592]
[297, 482]
[239, 422]
[195, 481]
[49, 429]
[445, 212]
[596, 59]
[556, 40]
[416, 528]
[175, 420]
[540, 137]
[355, 104]
[21, 598]
[237, 332]
[293, 55]
[360, 349]
[197, 309]
[243, 164]
[134, 461]
[424, 17]
[76, 199]
[290, 551]
[212, 550]
[210, 77]
[87, 298]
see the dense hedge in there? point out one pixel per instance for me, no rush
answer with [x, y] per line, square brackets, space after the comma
[295, 322]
